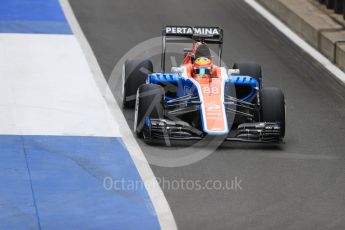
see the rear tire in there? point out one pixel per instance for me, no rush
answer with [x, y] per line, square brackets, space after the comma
[248, 69]
[330, 4]
[149, 103]
[273, 107]
[338, 6]
[134, 74]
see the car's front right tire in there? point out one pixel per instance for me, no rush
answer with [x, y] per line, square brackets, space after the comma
[148, 104]
[134, 74]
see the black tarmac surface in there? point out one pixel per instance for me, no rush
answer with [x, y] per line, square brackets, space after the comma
[298, 185]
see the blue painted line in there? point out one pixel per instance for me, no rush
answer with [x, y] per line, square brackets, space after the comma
[17, 209]
[67, 177]
[32, 189]
[33, 16]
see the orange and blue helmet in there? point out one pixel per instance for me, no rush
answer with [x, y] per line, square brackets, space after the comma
[202, 67]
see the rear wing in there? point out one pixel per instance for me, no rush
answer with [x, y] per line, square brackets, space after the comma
[205, 34]
[209, 35]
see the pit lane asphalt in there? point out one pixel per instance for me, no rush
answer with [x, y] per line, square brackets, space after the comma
[299, 185]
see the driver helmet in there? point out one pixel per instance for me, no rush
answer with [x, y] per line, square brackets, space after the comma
[202, 67]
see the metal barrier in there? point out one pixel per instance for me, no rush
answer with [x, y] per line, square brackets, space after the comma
[337, 5]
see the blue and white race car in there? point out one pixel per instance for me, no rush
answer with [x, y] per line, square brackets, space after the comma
[199, 98]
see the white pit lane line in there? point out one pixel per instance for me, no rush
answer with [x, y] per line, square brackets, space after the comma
[338, 73]
[32, 102]
[161, 206]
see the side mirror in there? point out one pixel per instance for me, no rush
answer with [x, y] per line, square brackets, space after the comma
[177, 69]
[233, 71]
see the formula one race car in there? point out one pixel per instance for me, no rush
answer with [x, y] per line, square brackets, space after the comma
[199, 98]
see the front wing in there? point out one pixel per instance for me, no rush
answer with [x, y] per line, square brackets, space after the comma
[258, 132]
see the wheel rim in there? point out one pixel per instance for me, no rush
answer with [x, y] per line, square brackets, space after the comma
[136, 111]
[123, 84]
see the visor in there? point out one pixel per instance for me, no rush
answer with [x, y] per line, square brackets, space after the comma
[202, 70]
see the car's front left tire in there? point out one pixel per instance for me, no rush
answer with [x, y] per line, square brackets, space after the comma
[273, 107]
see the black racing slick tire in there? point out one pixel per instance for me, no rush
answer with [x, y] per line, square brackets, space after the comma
[273, 107]
[330, 4]
[248, 69]
[134, 74]
[149, 104]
